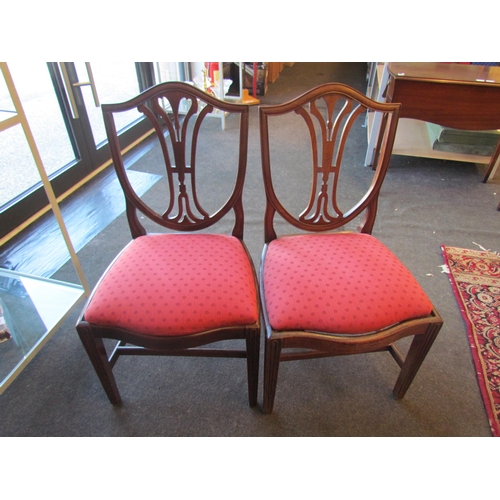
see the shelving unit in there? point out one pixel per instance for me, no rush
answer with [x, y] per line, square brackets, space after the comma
[223, 97]
[192, 73]
[220, 90]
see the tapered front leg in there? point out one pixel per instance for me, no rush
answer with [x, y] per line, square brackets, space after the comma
[253, 352]
[98, 356]
[416, 354]
[271, 366]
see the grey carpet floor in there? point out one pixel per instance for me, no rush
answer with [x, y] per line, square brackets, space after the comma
[424, 203]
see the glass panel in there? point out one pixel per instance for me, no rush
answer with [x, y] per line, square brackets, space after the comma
[6, 105]
[36, 92]
[32, 308]
[18, 171]
[168, 71]
[115, 82]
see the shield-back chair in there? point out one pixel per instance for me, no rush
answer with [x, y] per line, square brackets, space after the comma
[192, 284]
[331, 288]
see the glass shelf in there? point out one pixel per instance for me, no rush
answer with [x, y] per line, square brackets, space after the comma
[33, 308]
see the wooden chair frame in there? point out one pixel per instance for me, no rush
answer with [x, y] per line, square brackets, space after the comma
[191, 217]
[308, 344]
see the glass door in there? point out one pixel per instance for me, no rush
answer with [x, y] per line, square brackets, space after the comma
[62, 103]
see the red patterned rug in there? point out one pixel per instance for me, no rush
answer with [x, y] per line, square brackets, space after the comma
[475, 279]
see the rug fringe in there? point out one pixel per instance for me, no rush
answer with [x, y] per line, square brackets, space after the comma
[484, 249]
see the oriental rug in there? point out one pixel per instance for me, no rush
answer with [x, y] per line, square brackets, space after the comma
[475, 279]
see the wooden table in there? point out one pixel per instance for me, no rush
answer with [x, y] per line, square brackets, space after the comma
[459, 96]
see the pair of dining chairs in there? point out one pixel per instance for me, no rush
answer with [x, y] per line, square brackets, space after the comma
[324, 290]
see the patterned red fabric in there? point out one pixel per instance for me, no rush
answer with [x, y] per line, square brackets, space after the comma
[177, 284]
[338, 283]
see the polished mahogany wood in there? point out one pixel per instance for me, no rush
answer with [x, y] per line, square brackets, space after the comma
[177, 129]
[322, 212]
[177, 113]
[452, 95]
[330, 113]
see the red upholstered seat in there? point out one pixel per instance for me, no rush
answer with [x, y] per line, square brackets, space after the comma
[338, 283]
[177, 284]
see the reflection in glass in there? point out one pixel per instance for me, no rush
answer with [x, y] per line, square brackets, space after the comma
[32, 308]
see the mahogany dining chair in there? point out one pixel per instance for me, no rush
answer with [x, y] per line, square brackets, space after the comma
[191, 284]
[330, 289]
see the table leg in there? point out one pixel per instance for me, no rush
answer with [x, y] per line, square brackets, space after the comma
[494, 163]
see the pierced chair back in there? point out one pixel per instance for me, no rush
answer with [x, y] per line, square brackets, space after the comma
[326, 125]
[330, 288]
[179, 115]
[193, 283]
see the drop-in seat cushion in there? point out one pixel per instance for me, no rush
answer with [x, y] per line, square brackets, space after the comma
[177, 284]
[338, 283]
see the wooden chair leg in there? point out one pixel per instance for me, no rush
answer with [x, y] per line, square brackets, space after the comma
[98, 356]
[416, 354]
[271, 366]
[253, 350]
